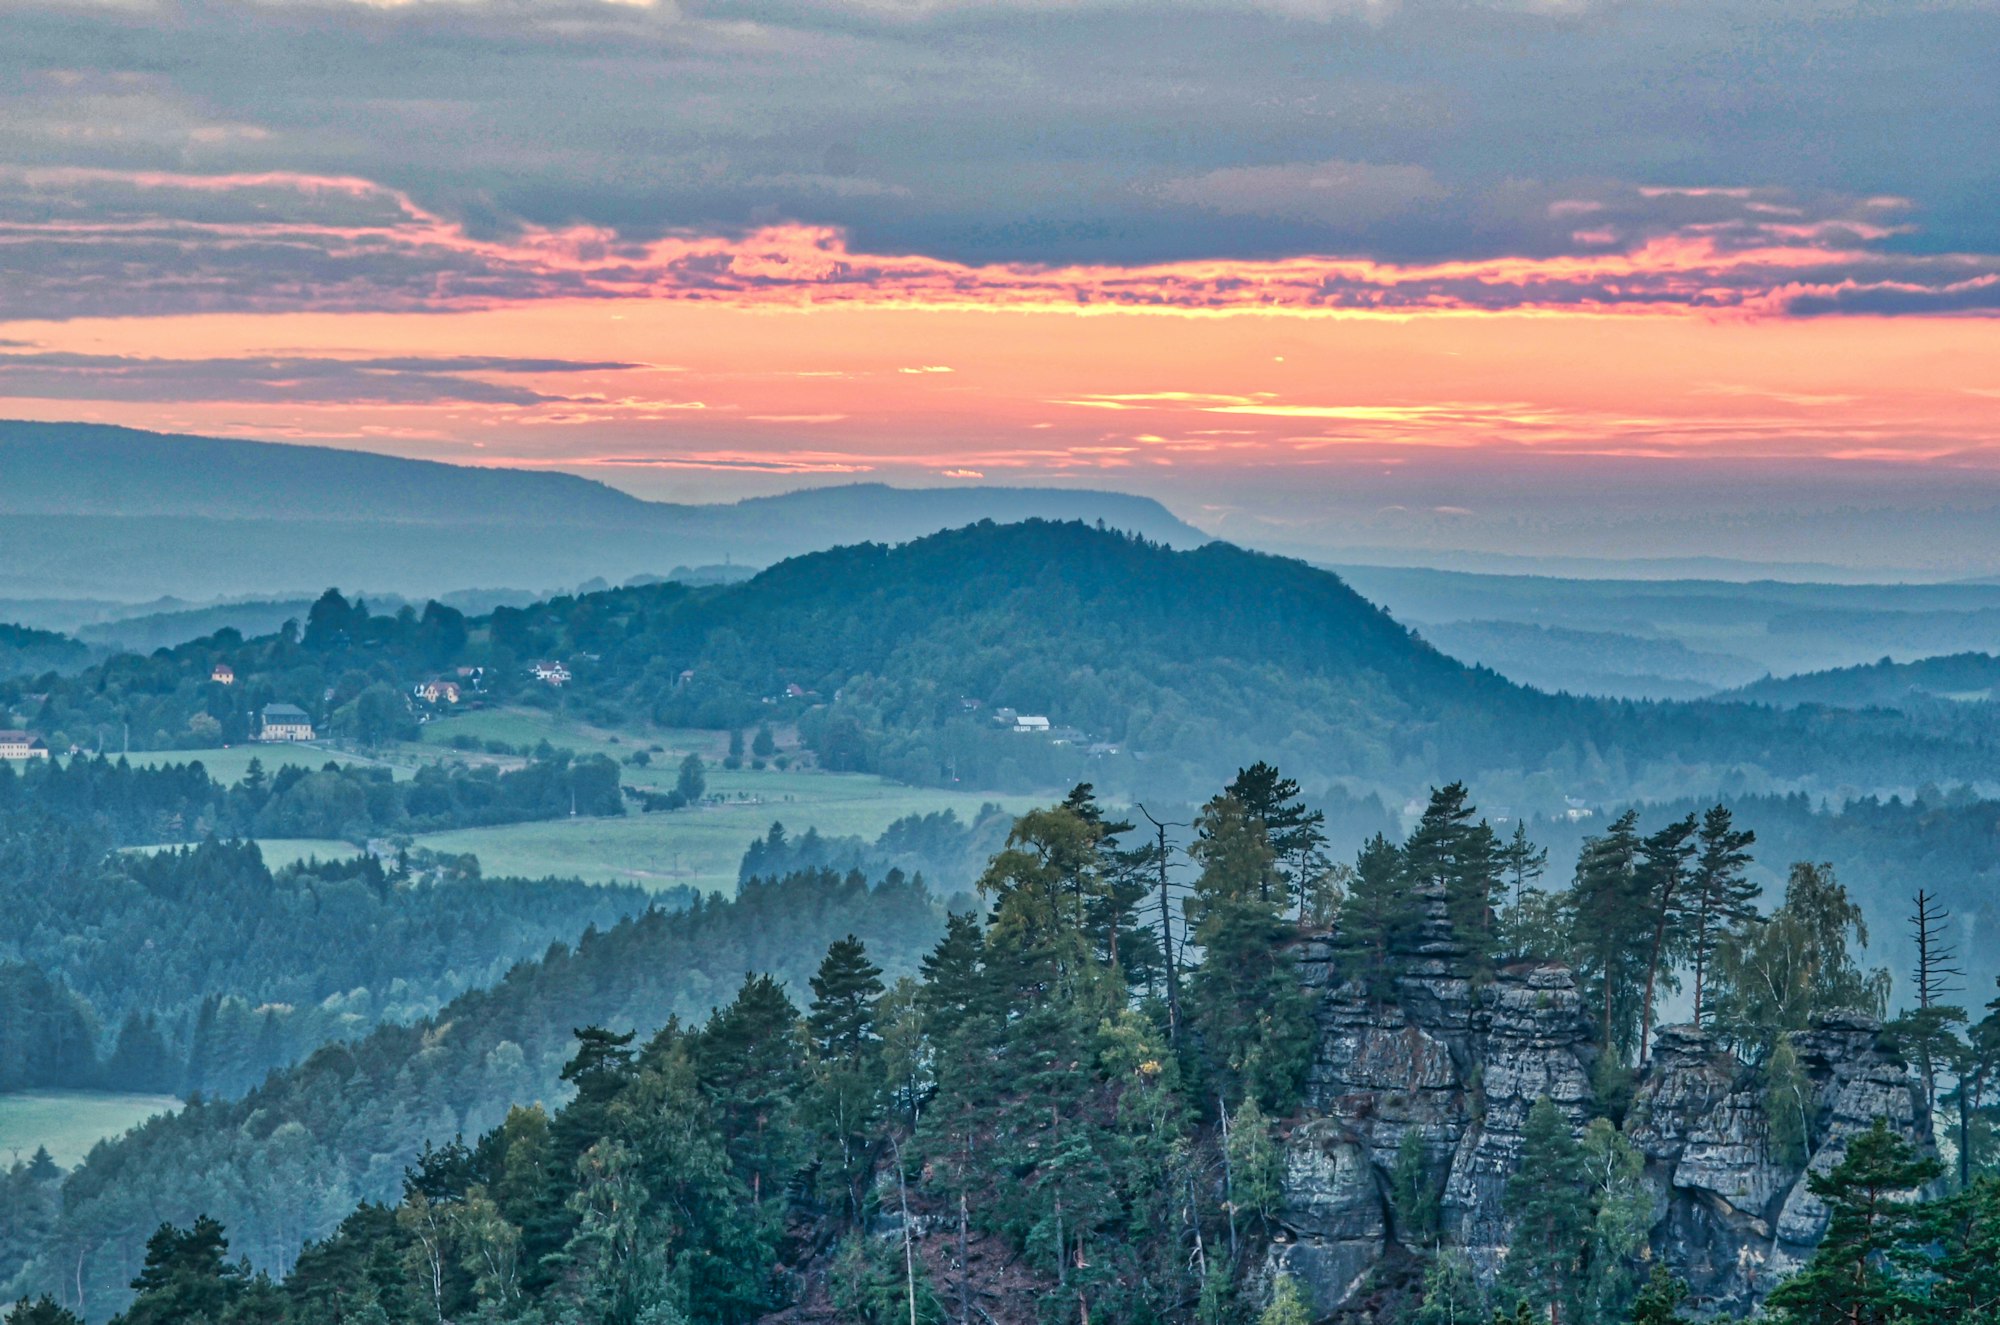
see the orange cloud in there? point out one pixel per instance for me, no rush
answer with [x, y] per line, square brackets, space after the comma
[294, 240]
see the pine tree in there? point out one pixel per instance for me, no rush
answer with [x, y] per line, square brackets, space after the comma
[750, 1061]
[1546, 1200]
[1964, 1260]
[1378, 920]
[1246, 1003]
[1043, 885]
[847, 1086]
[1862, 1272]
[1450, 856]
[187, 1279]
[1722, 900]
[1665, 858]
[1296, 834]
[1611, 926]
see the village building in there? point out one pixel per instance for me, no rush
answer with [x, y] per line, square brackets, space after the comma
[223, 674]
[1028, 722]
[549, 672]
[19, 745]
[438, 691]
[284, 722]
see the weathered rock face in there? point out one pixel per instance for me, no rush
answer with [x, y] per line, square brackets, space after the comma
[1450, 1071]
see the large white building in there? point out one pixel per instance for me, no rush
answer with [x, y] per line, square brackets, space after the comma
[22, 745]
[284, 722]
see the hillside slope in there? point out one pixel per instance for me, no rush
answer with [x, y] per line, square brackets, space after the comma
[103, 511]
[1190, 664]
[1884, 684]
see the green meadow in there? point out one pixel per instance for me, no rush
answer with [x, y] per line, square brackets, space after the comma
[282, 851]
[700, 846]
[70, 1122]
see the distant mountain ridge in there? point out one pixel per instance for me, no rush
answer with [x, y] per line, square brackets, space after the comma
[98, 511]
[1884, 684]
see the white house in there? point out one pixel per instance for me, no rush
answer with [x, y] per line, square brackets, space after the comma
[284, 722]
[1028, 722]
[22, 745]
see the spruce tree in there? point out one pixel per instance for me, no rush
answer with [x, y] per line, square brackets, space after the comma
[1659, 1302]
[1452, 1295]
[954, 984]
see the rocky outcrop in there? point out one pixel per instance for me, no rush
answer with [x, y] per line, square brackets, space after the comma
[1443, 1074]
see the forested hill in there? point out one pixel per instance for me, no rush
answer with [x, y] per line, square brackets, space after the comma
[291, 1159]
[1189, 663]
[94, 511]
[1885, 684]
[1158, 671]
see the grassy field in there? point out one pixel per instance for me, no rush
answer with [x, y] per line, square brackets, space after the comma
[228, 765]
[703, 847]
[282, 851]
[70, 1122]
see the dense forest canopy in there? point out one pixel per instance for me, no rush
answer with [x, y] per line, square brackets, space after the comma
[1082, 1083]
[199, 970]
[290, 1159]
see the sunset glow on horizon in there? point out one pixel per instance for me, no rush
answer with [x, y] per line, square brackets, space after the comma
[1226, 331]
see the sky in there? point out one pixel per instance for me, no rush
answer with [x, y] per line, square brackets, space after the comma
[1588, 279]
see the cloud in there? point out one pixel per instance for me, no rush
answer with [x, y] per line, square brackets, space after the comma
[1336, 194]
[79, 242]
[1978, 294]
[987, 131]
[400, 380]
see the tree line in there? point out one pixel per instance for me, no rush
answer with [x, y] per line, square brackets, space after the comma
[132, 806]
[199, 970]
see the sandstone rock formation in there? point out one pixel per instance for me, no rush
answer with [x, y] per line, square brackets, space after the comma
[1450, 1070]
